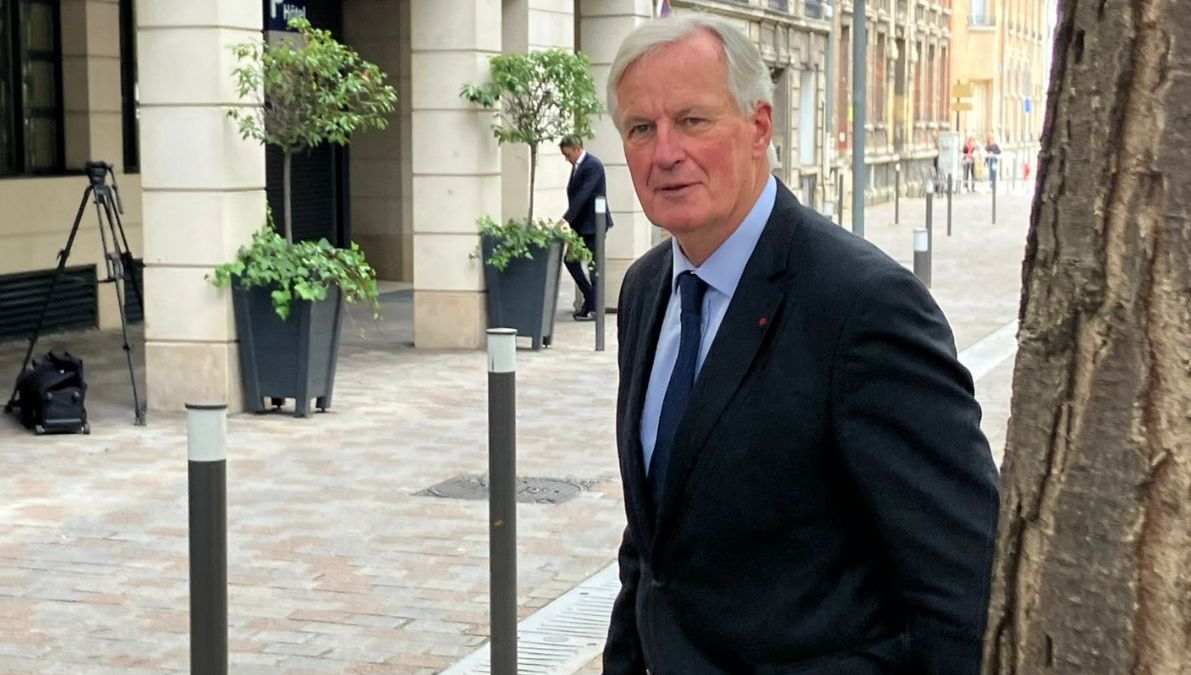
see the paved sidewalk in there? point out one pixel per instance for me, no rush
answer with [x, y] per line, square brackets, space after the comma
[336, 565]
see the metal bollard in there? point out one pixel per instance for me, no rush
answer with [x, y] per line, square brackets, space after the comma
[502, 498]
[930, 214]
[922, 256]
[994, 202]
[840, 200]
[597, 275]
[950, 189]
[897, 193]
[206, 450]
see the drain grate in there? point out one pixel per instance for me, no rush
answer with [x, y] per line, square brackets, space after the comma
[529, 490]
[561, 637]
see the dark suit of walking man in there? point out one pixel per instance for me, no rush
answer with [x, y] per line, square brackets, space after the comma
[586, 183]
[806, 485]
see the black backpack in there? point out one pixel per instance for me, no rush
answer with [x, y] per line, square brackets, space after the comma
[50, 394]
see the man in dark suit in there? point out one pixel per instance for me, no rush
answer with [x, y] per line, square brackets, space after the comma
[586, 183]
[806, 485]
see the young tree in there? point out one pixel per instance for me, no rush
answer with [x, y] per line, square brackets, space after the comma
[1094, 548]
[542, 96]
[315, 90]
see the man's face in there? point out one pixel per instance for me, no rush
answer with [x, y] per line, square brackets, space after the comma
[697, 163]
[572, 154]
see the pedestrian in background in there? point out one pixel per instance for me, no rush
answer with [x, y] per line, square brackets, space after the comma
[806, 484]
[587, 182]
[970, 164]
[992, 155]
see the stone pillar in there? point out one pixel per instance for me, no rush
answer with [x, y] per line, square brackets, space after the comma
[456, 167]
[534, 26]
[203, 194]
[602, 26]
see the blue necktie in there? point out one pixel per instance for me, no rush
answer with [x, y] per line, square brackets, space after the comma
[690, 290]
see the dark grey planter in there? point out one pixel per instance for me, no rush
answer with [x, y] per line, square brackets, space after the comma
[525, 295]
[293, 358]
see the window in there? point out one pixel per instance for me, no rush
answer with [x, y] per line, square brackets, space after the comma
[30, 88]
[981, 13]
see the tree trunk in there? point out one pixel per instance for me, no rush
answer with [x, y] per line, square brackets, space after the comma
[533, 172]
[1093, 573]
[285, 191]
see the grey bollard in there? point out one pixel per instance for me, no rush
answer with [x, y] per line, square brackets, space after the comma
[502, 498]
[994, 202]
[922, 256]
[897, 193]
[950, 190]
[597, 275]
[840, 201]
[930, 214]
[206, 450]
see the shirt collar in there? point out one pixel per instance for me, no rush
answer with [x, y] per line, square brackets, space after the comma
[723, 269]
[582, 156]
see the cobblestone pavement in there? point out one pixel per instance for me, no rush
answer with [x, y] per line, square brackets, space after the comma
[336, 565]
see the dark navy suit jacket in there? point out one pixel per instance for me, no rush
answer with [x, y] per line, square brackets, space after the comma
[830, 501]
[587, 182]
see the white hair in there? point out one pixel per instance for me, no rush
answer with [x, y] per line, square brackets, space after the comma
[748, 77]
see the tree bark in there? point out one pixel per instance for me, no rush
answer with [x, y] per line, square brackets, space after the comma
[533, 173]
[288, 219]
[1093, 573]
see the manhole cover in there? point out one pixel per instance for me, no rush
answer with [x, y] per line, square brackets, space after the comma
[529, 490]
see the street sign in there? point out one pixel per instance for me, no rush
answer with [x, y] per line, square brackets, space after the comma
[1029, 105]
[962, 106]
[962, 90]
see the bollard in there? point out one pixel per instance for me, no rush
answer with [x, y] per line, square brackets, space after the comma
[840, 201]
[994, 202]
[597, 275]
[897, 193]
[950, 189]
[206, 450]
[502, 498]
[930, 214]
[922, 256]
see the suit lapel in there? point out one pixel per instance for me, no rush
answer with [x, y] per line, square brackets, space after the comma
[646, 330]
[749, 319]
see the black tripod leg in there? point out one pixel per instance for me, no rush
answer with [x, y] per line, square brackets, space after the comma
[63, 255]
[120, 281]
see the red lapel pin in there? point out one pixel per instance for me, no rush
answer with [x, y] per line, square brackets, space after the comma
[763, 322]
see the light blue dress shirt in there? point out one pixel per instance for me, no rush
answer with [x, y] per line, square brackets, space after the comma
[721, 272]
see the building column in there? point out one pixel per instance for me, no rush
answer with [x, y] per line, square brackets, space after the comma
[456, 167]
[203, 194]
[603, 24]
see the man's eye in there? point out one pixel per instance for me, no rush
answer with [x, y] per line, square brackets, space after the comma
[638, 129]
[694, 121]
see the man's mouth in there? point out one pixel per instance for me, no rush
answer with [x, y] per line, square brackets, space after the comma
[674, 189]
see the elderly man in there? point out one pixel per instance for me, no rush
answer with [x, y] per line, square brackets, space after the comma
[806, 484]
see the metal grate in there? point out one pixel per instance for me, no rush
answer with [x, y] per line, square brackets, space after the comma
[529, 490]
[561, 637]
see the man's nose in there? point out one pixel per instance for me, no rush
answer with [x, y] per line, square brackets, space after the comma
[668, 150]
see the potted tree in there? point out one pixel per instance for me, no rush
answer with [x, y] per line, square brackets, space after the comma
[539, 97]
[288, 297]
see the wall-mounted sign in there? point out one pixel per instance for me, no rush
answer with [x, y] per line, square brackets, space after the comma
[1029, 105]
[279, 12]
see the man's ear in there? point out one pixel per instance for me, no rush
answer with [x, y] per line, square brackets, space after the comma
[762, 121]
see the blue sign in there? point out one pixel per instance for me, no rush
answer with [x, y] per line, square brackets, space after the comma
[279, 12]
[1029, 103]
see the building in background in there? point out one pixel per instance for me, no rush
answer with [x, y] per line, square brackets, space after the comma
[1004, 66]
[908, 90]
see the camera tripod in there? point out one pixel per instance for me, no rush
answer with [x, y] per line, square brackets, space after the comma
[121, 267]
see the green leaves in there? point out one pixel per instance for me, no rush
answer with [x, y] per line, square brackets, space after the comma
[315, 90]
[300, 271]
[543, 96]
[518, 239]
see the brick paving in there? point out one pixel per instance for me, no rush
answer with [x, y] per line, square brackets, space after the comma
[335, 564]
